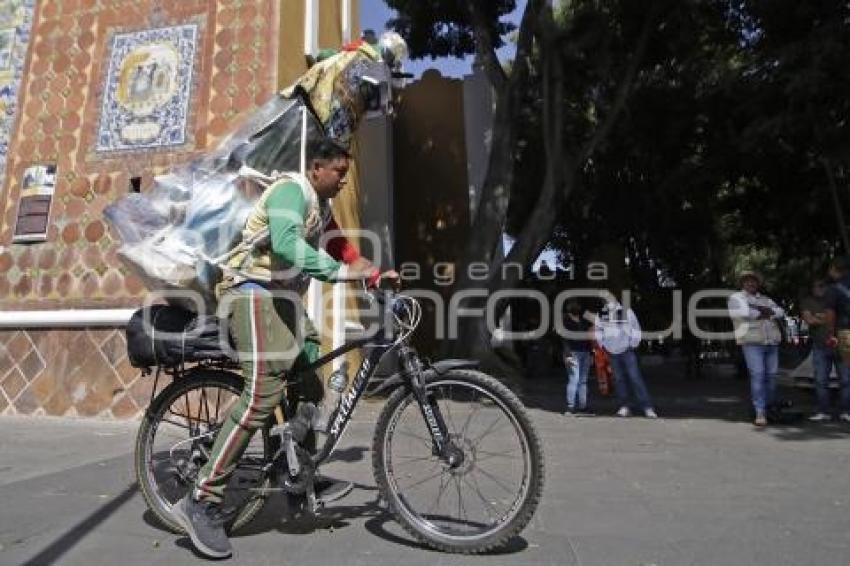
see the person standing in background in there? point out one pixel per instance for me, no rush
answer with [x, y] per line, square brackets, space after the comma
[837, 299]
[755, 317]
[577, 348]
[813, 310]
[618, 331]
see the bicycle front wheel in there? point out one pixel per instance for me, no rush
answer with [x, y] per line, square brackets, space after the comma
[482, 503]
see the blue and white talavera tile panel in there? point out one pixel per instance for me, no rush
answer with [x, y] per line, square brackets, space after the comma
[148, 89]
[15, 27]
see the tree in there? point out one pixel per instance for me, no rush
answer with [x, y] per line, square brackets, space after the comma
[605, 45]
[730, 151]
[698, 137]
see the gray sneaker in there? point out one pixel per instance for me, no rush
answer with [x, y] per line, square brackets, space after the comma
[204, 523]
[820, 418]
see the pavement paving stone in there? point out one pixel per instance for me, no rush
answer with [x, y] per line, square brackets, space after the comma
[699, 486]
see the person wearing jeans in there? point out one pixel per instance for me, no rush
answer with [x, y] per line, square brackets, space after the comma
[577, 351]
[763, 365]
[618, 331]
[823, 360]
[823, 355]
[577, 382]
[837, 302]
[627, 377]
[757, 332]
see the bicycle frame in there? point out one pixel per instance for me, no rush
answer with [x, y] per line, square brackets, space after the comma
[342, 414]
[410, 375]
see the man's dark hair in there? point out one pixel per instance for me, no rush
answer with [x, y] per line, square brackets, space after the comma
[325, 149]
[841, 264]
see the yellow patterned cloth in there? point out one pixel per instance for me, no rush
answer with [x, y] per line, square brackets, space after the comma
[332, 85]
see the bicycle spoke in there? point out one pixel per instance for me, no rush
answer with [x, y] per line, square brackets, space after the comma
[188, 413]
[490, 430]
[477, 490]
[179, 436]
[175, 423]
[455, 502]
[469, 419]
[411, 459]
[425, 442]
[429, 478]
[205, 405]
[460, 507]
[492, 455]
[436, 504]
[495, 480]
[448, 406]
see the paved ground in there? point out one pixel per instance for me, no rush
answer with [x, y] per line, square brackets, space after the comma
[700, 486]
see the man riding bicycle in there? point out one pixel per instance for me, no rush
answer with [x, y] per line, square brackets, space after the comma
[263, 286]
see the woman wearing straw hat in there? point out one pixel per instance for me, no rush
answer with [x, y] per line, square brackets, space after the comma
[757, 331]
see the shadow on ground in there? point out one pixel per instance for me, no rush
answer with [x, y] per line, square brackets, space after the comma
[286, 514]
[56, 550]
[719, 394]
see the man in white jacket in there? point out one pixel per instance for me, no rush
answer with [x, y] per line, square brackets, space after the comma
[755, 317]
[617, 330]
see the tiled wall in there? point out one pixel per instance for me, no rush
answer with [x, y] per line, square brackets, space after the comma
[86, 104]
[89, 105]
[15, 25]
[75, 372]
[78, 111]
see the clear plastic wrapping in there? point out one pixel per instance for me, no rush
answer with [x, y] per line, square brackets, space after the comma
[196, 212]
[172, 234]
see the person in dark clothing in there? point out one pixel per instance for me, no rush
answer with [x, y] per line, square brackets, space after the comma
[577, 347]
[837, 303]
[824, 357]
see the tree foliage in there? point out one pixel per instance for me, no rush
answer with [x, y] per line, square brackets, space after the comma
[439, 28]
[698, 136]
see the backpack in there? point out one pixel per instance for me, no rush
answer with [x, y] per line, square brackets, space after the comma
[169, 336]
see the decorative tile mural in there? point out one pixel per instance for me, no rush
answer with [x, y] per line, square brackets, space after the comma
[15, 25]
[148, 88]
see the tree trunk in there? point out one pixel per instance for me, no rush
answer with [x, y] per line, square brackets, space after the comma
[485, 237]
[561, 171]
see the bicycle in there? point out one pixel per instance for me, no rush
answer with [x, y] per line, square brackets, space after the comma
[444, 425]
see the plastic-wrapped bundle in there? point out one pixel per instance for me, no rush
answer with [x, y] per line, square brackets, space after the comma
[175, 236]
[195, 214]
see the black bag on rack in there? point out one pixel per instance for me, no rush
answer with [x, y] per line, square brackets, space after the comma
[164, 335]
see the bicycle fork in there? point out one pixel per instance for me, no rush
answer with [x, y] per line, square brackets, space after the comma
[444, 446]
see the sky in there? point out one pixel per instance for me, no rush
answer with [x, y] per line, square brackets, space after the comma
[375, 13]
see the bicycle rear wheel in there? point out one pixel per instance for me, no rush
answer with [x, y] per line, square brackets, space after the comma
[175, 439]
[482, 503]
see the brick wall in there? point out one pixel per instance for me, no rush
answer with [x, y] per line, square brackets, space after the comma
[66, 99]
[73, 372]
[84, 372]
[65, 82]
